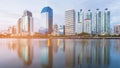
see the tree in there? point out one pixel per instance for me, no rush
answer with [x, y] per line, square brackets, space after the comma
[83, 34]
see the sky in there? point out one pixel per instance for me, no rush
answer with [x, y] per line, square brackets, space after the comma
[12, 10]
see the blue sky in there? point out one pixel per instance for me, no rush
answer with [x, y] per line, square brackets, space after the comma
[11, 10]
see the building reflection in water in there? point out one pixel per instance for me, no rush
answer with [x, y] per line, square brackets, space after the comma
[66, 53]
[25, 51]
[46, 54]
[69, 53]
[117, 46]
[12, 45]
[92, 53]
[83, 53]
[102, 53]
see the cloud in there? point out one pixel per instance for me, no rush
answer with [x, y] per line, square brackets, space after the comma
[115, 12]
[8, 17]
[115, 20]
[114, 6]
[60, 6]
[10, 11]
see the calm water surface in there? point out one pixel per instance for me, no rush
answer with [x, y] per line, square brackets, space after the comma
[59, 53]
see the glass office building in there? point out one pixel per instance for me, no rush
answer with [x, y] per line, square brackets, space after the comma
[27, 23]
[47, 20]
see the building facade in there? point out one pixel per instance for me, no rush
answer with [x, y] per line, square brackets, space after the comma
[14, 30]
[47, 19]
[117, 29]
[55, 30]
[97, 22]
[11, 30]
[80, 27]
[19, 26]
[70, 22]
[106, 22]
[88, 22]
[26, 23]
[61, 29]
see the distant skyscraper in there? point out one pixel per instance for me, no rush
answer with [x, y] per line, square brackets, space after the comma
[61, 30]
[55, 30]
[27, 13]
[70, 22]
[80, 27]
[47, 19]
[13, 30]
[27, 23]
[97, 22]
[117, 29]
[19, 25]
[106, 22]
[88, 22]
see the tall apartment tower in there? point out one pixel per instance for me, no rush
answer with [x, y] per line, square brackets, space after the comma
[70, 22]
[106, 22]
[88, 22]
[97, 22]
[80, 27]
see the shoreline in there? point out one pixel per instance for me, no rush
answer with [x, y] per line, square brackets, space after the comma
[61, 37]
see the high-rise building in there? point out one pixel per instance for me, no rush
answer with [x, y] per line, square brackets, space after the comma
[99, 25]
[61, 29]
[117, 29]
[55, 29]
[97, 22]
[19, 26]
[27, 23]
[70, 22]
[47, 19]
[80, 27]
[106, 22]
[13, 30]
[88, 22]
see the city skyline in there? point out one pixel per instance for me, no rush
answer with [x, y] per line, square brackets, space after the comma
[11, 12]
